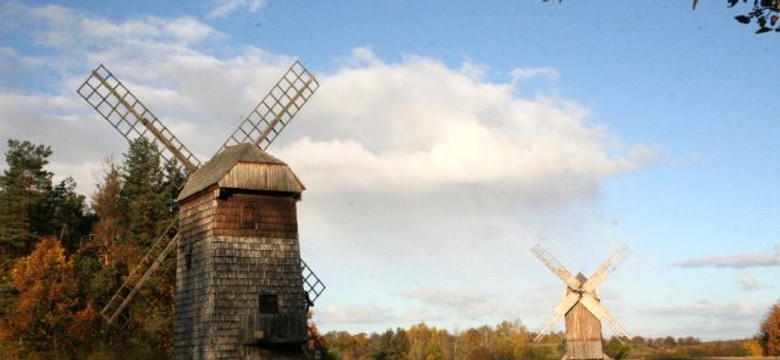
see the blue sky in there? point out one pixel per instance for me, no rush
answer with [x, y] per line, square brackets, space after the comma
[448, 138]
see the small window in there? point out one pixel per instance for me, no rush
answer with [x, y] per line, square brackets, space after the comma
[249, 214]
[269, 304]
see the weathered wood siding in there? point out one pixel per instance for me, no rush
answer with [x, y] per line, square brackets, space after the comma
[246, 244]
[583, 334]
[252, 176]
[195, 277]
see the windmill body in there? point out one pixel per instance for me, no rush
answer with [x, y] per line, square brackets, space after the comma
[242, 289]
[581, 307]
[239, 287]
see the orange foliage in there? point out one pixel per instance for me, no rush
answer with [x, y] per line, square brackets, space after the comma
[47, 316]
[770, 332]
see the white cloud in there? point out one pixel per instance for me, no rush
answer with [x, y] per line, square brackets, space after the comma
[740, 261]
[748, 282]
[525, 74]
[354, 314]
[462, 304]
[224, 8]
[708, 319]
[416, 125]
[734, 310]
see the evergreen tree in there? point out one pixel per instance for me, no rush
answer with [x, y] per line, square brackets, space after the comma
[147, 203]
[69, 218]
[143, 199]
[25, 187]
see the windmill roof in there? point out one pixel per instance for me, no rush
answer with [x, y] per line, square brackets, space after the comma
[257, 170]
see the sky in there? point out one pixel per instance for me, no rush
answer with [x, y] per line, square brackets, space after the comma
[448, 138]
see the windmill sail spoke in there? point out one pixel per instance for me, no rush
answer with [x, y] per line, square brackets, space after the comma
[115, 103]
[559, 270]
[595, 307]
[569, 300]
[276, 110]
[312, 284]
[606, 268]
[156, 254]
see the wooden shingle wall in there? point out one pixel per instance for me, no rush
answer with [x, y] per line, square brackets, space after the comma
[234, 247]
[194, 277]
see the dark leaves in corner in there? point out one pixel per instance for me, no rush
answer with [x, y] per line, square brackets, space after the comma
[744, 19]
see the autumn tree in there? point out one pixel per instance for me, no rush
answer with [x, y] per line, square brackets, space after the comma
[147, 202]
[49, 320]
[752, 348]
[769, 332]
[391, 346]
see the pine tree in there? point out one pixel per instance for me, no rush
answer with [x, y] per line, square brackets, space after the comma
[69, 218]
[25, 187]
[143, 199]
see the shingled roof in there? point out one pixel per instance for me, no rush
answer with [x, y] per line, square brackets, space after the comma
[243, 166]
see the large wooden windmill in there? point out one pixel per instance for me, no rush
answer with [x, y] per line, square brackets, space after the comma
[242, 289]
[581, 306]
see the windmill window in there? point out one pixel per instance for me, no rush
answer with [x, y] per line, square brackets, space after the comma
[269, 304]
[248, 215]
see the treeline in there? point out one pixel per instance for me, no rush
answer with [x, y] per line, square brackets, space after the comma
[62, 257]
[511, 340]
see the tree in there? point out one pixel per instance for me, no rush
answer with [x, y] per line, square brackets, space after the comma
[764, 13]
[49, 321]
[391, 346]
[146, 201]
[143, 198]
[616, 349]
[25, 188]
[69, 218]
[769, 332]
[752, 348]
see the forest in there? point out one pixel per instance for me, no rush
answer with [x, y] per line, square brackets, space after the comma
[63, 254]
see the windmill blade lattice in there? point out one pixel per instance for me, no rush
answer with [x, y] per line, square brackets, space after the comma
[131, 118]
[606, 268]
[277, 109]
[552, 263]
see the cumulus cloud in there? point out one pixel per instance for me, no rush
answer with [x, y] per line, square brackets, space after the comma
[417, 125]
[740, 261]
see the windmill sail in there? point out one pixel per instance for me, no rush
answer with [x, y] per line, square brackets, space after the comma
[131, 118]
[276, 110]
[112, 100]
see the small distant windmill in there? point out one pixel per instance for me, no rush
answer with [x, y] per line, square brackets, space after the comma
[242, 290]
[581, 306]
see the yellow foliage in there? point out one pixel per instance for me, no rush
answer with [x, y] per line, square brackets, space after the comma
[46, 318]
[752, 348]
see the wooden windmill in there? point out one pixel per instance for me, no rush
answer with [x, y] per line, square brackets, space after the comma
[242, 289]
[581, 306]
